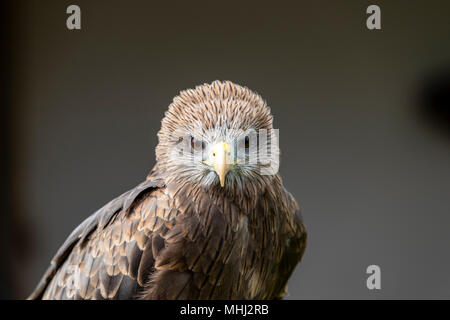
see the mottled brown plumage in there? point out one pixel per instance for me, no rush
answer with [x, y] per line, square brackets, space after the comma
[179, 234]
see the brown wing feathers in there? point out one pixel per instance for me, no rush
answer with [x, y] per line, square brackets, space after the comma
[109, 241]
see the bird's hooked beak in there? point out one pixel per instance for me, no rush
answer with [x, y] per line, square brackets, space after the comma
[220, 160]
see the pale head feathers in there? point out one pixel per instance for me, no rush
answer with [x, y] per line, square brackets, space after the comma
[220, 111]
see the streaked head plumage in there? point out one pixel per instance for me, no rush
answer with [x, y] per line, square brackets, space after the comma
[208, 135]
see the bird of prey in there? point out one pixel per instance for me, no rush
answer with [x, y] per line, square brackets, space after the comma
[208, 222]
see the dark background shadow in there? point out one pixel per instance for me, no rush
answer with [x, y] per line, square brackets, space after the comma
[364, 143]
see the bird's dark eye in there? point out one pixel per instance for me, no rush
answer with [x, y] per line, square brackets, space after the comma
[247, 142]
[197, 144]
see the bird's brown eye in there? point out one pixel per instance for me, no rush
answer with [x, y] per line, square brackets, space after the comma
[247, 142]
[197, 144]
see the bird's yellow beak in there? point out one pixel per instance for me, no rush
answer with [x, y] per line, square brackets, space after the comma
[220, 160]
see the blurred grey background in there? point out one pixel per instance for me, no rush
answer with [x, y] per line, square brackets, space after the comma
[364, 126]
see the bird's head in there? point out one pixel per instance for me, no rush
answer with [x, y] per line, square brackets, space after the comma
[219, 136]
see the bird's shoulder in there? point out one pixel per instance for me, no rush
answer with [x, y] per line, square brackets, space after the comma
[103, 237]
[294, 235]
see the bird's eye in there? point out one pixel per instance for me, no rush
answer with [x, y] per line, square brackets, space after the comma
[247, 142]
[197, 144]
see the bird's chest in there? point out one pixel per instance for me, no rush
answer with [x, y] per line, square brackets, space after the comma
[259, 247]
[239, 243]
[263, 250]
